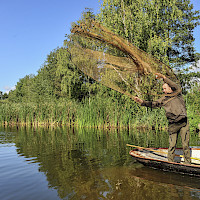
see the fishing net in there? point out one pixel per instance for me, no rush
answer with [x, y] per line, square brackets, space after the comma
[115, 62]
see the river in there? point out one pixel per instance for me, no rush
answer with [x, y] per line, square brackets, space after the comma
[70, 163]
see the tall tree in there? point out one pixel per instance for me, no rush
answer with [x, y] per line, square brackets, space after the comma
[69, 77]
[1, 95]
[23, 91]
[163, 28]
[58, 78]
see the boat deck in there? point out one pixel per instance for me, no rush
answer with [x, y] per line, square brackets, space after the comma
[161, 154]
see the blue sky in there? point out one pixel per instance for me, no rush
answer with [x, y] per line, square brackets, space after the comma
[31, 29]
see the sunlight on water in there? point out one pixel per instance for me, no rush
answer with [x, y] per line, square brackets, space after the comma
[63, 163]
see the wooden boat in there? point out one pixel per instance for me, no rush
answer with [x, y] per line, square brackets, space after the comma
[157, 158]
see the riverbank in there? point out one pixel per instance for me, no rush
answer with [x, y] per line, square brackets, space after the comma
[103, 114]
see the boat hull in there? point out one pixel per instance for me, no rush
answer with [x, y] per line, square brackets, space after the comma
[179, 167]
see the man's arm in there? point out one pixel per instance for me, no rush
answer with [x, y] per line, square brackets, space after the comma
[151, 104]
[171, 84]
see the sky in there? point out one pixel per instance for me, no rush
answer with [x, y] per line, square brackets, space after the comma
[31, 29]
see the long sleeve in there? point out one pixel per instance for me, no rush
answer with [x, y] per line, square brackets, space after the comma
[153, 104]
[173, 85]
[173, 103]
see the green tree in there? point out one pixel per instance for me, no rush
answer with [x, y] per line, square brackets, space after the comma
[23, 91]
[164, 28]
[1, 95]
[71, 79]
[58, 78]
[5, 96]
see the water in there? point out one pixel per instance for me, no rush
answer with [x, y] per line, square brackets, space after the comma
[64, 163]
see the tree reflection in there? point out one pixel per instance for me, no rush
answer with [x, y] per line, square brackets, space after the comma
[95, 164]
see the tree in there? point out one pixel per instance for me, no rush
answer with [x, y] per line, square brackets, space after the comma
[1, 95]
[70, 78]
[23, 91]
[164, 28]
[5, 96]
[58, 78]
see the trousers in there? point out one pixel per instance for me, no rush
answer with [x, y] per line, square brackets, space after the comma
[176, 129]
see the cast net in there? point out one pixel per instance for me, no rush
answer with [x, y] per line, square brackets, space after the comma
[115, 62]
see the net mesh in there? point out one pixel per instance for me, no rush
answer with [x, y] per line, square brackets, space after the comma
[115, 62]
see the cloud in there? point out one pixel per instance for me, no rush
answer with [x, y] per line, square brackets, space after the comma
[7, 89]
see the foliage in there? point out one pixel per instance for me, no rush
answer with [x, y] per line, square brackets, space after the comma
[193, 105]
[162, 28]
[108, 109]
[189, 79]
[60, 94]
[3, 96]
[58, 78]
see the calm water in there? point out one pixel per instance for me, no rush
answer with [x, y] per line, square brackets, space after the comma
[63, 163]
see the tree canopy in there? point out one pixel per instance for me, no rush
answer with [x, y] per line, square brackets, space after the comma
[162, 28]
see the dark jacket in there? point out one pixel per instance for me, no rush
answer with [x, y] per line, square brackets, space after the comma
[173, 103]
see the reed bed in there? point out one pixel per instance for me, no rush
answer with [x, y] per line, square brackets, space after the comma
[98, 112]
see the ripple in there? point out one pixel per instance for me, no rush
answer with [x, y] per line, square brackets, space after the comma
[19, 180]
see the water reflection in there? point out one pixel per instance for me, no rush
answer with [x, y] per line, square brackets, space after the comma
[95, 164]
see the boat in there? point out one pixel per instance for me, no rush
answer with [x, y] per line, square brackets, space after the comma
[157, 158]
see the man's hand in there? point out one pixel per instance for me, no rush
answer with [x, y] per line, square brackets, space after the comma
[138, 100]
[158, 75]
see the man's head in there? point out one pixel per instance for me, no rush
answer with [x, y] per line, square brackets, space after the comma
[167, 89]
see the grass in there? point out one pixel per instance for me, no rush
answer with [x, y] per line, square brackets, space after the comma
[98, 112]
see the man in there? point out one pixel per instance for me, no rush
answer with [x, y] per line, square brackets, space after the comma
[175, 109]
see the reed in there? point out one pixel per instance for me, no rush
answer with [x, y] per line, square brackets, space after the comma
[97, 112]
[100, 112]
[54, 113]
